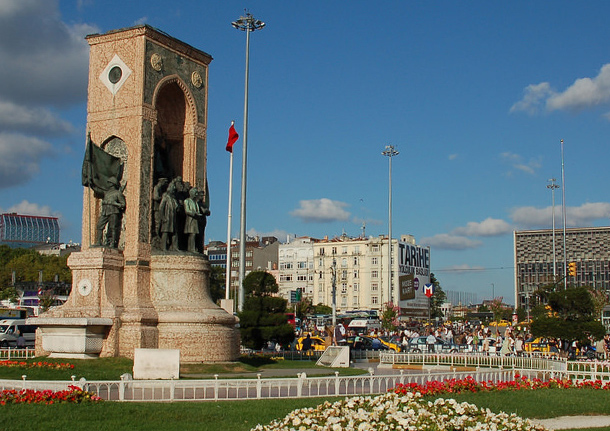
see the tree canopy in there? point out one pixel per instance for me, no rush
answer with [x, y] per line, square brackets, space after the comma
[437, 299]
[569, 315]
[263, 317]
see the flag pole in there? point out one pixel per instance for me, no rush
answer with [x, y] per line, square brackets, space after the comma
[89, 149]
[229, 217]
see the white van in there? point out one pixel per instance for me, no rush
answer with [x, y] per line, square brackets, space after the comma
[10, 330]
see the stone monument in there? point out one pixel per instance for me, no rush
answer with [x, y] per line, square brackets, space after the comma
[141, 279]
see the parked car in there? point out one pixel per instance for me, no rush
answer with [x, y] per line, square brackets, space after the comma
[317, 343]
[418, 345]
[363, 342]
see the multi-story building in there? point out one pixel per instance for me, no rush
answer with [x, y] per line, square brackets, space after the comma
[588, 248]
[296, 267]
[358, 272]
[17, 230]
[261, 254]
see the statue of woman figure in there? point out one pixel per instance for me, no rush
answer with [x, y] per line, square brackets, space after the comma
[191, 224]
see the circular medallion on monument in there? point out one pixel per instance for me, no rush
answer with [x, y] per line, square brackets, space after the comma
[156, 62]
[84, 287]
[115, 74]
[196, 79]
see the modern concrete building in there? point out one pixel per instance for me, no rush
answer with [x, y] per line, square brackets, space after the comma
[26, 231]
[588, 248]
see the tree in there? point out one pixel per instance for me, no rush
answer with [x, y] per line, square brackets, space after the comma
[322, 309]
[389, 316]
[570, 315]
[263, 317]
[217, 283]
[438, 298]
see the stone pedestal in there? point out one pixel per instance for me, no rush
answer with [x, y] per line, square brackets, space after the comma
[71, 337]
[188, 319]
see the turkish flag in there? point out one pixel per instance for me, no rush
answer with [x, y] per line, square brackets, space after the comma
[233, 137]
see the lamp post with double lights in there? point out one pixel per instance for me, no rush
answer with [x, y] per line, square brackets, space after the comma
[390, 152]
[248, 24]
[553, 187]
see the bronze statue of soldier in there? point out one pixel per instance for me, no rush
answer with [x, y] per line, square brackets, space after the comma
[113, 206]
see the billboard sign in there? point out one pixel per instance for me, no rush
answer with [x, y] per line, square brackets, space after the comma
[407, 289]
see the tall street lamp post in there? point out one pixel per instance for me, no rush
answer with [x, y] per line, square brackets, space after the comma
[552, 187]
[248, 24]
[563, 208]
[390, 152]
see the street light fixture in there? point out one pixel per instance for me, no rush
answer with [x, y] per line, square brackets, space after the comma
[563, 208]
[390, 152]
[248, 24]
[552, 187]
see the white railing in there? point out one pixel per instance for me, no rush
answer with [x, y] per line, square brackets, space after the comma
[245, 389]
[471, 361]
[492, 369]
[13, 354]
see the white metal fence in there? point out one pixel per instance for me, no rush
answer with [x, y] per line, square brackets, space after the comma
[489, 369]
[472, 361]
[13, 354]
[245, 389]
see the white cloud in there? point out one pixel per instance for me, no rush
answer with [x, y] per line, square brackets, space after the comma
[37, 120]
[488, 227]
[584, 93]
[584, 215]
[48, 59]
[29, 208]
[534, 98]
[516, 162]
[20, 156]
[453, 156]
[321, 211]
[445, 241]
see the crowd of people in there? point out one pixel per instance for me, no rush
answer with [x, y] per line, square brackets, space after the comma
[468, 336]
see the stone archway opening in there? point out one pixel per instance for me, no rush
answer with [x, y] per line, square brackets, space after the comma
[169, 132]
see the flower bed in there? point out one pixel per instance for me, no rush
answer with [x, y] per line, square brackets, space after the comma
[403, 408]
[394, 411]
[468, 384]
[72, 395]
[23, 364]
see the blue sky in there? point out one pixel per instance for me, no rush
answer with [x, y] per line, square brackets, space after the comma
[474, 95]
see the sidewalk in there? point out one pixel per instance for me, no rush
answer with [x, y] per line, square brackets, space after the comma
[570, 422]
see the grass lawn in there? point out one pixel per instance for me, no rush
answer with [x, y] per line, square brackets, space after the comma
[243, 415]
[112, 368]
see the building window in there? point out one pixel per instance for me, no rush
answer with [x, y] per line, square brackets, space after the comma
[355, 273]
[375, 249]
[285, 277]
[302, 265]
[375, 274]
[334, 250]
[344, 288]
[374, 287]
[374, 300]
[344, 262]
[344, 250]
[356, 287]
[355, 300]
[356, 249]
[321, 252]
[301, 277]
[374, 261]
[344, 274]
[355, 261]
[320, 288]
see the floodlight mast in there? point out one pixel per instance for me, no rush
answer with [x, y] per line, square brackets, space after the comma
[248, 24]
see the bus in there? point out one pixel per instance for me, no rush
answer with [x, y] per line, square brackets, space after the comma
[13, 313]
